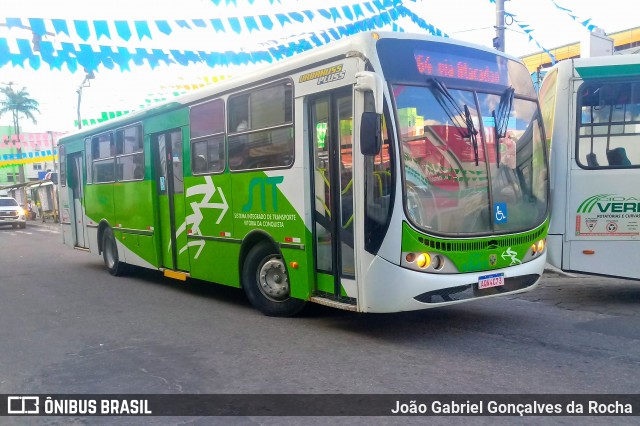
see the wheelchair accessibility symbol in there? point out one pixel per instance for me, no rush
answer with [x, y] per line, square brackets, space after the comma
[500, 212]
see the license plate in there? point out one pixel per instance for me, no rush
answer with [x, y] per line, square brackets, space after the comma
[488, 281]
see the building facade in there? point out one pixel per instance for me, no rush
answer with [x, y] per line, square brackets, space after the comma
[36, 151]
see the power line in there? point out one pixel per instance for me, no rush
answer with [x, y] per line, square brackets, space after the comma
[472, 29]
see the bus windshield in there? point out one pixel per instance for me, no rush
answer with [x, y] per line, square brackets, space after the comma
[456, 182]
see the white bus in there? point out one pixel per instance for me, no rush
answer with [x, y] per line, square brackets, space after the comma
[591, 108]
[380, 173]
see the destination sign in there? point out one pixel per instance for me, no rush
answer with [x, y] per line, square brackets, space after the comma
[439, 64]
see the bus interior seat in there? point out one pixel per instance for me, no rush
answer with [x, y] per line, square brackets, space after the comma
[618, 157]
[200, 164]
[385, 182]
[592, 160]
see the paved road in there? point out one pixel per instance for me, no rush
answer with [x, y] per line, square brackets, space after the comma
[69, 327]
[574, 292]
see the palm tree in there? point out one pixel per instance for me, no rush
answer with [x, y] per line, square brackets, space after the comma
[18, 103]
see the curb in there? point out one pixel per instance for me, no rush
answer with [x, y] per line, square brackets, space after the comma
[40, 224]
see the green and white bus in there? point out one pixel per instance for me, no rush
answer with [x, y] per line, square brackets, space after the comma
[362, 175]
[591, 109]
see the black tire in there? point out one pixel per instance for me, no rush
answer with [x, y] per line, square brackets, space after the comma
[266, 282]
[110, 254]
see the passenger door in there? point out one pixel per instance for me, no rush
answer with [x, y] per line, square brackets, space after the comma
[331, 132]
[76, 184]
[168, 166]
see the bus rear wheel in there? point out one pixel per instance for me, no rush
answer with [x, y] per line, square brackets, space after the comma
[110, 254]
[266, 282]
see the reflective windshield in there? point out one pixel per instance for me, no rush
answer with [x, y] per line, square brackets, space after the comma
[8, 202]
[456, 181]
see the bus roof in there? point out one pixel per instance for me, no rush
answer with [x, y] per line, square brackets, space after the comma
[363, 43]
[600, 66]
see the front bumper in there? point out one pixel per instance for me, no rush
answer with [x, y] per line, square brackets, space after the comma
[13, 220]
[391, 288]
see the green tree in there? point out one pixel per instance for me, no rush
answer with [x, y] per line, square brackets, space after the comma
[18, 103]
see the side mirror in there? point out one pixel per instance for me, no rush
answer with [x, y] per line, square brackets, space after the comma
[368, 81]
[370, 140]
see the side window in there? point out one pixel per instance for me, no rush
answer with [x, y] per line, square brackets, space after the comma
[103, 158]
[547, 98]
[207, 137]
[379, 186]
[88, 161]
[609, 125]
[261, 128]
[130, 154]
[63, 165]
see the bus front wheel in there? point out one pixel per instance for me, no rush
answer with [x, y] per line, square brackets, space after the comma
[110, 254]
[266, 282]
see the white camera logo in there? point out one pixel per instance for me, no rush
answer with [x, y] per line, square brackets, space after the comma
[23, 405]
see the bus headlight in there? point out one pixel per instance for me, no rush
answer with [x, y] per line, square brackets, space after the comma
[423, 260]
[537, 248]
[427, 262]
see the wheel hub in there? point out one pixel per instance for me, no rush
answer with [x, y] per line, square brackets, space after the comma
[273, 280]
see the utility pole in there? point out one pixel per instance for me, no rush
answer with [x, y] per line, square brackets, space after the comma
[85, 83]
[498, 41]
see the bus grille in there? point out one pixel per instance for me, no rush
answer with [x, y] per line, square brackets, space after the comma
[494, 243]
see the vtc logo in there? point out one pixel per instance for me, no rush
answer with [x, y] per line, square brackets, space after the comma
[262, 184]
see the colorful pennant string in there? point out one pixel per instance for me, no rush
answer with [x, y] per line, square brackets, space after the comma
[585, 23]
[528, 30]
[43, 156]
[35, 147]
[89, 57]
[86, 30]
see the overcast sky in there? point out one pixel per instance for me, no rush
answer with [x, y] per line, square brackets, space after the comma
[469, 20]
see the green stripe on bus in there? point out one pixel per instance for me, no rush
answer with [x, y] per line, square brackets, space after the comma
[608, 71]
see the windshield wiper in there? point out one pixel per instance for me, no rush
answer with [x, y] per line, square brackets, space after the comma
[453, 111]
[448, 104]
[501, 118]
[472, 132]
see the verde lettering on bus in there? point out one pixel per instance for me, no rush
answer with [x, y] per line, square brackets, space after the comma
[610, 203]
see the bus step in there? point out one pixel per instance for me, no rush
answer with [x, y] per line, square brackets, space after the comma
[333, 303]
[176, 275]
